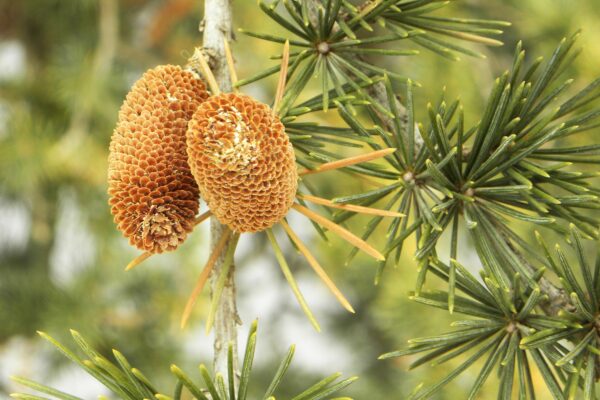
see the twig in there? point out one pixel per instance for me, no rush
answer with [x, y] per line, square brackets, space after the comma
[217, 27]
[557, 298]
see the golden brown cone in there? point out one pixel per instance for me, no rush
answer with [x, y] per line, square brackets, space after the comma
[153, 195]
[243, 162]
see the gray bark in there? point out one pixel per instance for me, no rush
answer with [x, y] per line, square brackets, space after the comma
[217, 26]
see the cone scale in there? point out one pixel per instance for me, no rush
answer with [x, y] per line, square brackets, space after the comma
[153, 196]
[243, 162]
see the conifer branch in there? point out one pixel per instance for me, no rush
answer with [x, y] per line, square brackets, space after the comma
[557, 299]
[377, 91]
[216, 28]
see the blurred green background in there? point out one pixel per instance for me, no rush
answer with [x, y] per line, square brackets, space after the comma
[65, 66]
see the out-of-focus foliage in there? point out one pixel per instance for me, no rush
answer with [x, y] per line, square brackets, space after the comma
[65, 66]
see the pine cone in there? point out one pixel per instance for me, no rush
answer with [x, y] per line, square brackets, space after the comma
[153, 194]
[243, 162]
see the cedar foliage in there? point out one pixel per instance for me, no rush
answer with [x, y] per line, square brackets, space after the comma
[532, 311]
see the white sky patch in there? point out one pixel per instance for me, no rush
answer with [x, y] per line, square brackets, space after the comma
[466, 254]
[16, 225]
[74, 248]
[26, 358]
[282, 322]
[12, 60]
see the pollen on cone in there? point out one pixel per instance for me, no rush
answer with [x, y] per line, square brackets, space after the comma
[153, 195]
[243, 162]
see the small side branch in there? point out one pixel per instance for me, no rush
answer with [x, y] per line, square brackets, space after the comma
[377, 91]
[557, 298]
